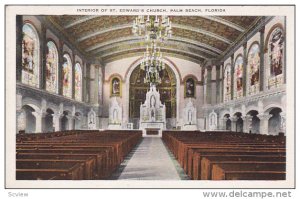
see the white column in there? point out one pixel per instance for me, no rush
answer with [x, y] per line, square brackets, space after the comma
[38, 121]
[264, 123]
[222, 124]
[283, 122]
[233, 123]
[247, 124]
[21, 120]
[56, 121]
[70, 122]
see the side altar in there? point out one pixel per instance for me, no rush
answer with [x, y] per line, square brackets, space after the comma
[152, 114]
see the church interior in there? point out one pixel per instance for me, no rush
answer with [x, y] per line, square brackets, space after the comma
[150, 97]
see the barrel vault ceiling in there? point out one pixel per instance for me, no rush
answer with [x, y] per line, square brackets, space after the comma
[195, 38]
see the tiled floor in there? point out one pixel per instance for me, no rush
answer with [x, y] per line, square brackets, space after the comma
[150, 160]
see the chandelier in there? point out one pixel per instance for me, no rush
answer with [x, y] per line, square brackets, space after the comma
[152, 64]
[155, 30]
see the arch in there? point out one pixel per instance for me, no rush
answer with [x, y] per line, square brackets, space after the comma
[239, 122]
[67, 75]
[251, 108]
[254, 125]
[32, 103]
[274, 123]
[48, 121]
[30, 55]
[190, 76]
[29, 120]
[269, 107]
[277, 25]
[129, 71]
[51, 67]
[115, 75]
[78, 82]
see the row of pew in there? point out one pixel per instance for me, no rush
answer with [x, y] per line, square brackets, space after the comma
[74, 155]
[228, 155]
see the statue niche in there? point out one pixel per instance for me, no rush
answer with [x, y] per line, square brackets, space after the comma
[190, 116]
[115, 115]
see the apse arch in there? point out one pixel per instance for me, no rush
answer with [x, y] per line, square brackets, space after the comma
[128, 74]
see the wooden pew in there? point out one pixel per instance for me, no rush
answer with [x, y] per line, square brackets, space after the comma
[189, 148]
[208, 161]
[249, 171]
[69, 171]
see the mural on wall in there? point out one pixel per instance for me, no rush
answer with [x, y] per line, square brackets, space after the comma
[253, 69]
[238, 76]
[30, 55]
[189, 88]
[51, 67]
[276, 45]
[67, 76]
[78, 82]
[227, 83]
[115, 87]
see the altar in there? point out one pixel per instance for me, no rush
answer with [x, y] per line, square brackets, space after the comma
[152, 114]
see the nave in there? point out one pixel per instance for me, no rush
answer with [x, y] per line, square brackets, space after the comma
[126, 155]
[151, 160]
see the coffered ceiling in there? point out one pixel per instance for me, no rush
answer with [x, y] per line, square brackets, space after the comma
[195, 38]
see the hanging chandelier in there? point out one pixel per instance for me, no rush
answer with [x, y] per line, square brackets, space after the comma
[152, 64]
[156, 30]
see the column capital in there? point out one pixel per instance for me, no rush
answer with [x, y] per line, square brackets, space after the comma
[233, 118]
[264, 116]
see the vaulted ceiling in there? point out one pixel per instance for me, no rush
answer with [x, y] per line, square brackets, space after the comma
[195, 38]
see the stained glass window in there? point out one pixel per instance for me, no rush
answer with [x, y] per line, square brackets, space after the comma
[30, 56]
[51, 67]
[253, 69]
[227, 83]
[67, 76]
[78, 82]
[275, 51]
[189, 88]
[238, 77]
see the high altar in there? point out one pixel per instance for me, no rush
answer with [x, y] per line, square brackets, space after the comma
[152, 114]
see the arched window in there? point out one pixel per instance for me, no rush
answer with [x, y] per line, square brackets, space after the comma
[51, 67]
[253, 69]
[189, 87]
[78, 82]
[30, 55]
[100, 86]
[227, 83]
[115, 87]
[276, 56]
[276, 52]
[238, 77]
[67, 76]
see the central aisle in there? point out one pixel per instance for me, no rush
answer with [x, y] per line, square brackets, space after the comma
[150, 161]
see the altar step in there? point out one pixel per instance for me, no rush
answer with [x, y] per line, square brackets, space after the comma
[150, 161]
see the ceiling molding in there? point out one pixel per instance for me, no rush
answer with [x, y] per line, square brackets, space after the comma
[225, 22]
[82, 20]
[179, 43]
[167, 54]
[135, 38]
[162, 49]
[179, 26]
